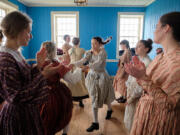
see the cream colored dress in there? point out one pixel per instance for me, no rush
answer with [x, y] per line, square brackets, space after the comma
[97, 80]
[134, 92]
[78, 90]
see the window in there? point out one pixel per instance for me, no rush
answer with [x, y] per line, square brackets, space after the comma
[6, 7]
[130, 27]
[2, 14]
[64, 23]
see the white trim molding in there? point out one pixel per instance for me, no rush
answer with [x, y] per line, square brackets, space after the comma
[112, 60]
[91, 3]
[149, 3]
[8, 6]
[107, 60]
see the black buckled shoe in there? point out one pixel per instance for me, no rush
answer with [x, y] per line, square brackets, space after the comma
[81, 104]
[121, 100]
[109, 113]
[94, 126]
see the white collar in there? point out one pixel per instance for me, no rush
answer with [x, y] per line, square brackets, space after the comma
[16, 54]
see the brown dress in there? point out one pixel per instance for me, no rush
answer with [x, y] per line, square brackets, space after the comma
[158, 111]
[57, 111]
[121, 76]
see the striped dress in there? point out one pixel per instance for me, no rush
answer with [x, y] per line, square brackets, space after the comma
[23, 88]
[158, 111]
[121, 76]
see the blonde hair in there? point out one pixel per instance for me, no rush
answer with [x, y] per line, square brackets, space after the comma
[50, 49]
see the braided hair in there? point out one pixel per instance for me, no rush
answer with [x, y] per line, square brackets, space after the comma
[100, 41]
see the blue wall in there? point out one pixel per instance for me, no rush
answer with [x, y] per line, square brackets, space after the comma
[93, 21]
[22, 8]
[153, 13]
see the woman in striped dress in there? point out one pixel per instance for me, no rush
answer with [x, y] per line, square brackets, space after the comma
[158, 111]
[22, 87]
[119, 82]
[1, 38]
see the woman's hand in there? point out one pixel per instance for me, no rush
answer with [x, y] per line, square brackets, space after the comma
[136, 68]
[40, 57]
[70, 66]
[50, 70]
[85, 68]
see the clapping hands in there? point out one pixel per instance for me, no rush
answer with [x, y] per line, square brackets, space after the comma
[40, 57]
[136, 68]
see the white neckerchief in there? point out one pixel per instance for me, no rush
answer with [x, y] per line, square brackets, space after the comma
[17, 55]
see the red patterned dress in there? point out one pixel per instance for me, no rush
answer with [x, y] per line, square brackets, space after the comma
[57, 111]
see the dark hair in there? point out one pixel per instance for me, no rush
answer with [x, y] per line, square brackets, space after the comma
[14, 23]
[1, 34]
[65, 36]
[100, 41]
[147, 43]
[126, 43]
[172, 20]
[75, 41]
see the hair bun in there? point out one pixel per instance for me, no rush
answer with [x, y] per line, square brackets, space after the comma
[149, 41]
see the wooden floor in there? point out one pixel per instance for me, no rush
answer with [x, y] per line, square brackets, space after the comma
[82, 119]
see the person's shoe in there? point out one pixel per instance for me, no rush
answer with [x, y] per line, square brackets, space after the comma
[121, 100]
[118, 99]
[109, 113]
[64, 134]
[81, 104]
[94, 126]
[124, 100]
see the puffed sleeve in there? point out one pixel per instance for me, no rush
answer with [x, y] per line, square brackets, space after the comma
[169, 91]
[13, 87]
[86, 58]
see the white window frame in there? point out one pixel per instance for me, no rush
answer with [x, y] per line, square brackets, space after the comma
[118, 28]
[8, 6]
[4, 10]
[54, 15]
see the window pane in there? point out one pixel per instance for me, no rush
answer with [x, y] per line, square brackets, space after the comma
[2, 14]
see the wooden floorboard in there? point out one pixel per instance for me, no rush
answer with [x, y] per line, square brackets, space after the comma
[82, 119]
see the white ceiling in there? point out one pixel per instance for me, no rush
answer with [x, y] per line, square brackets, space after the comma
[91, 3]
